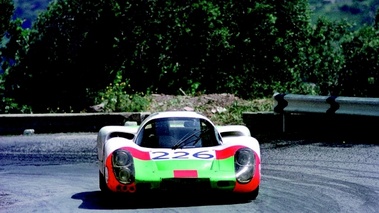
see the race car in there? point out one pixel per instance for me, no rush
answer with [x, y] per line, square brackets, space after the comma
[176, 151]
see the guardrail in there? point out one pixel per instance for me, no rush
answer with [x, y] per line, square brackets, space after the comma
[322, 115]
[333, 115]
[293, 103]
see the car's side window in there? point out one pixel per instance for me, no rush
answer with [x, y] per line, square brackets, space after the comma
[147, 137]
[208, 135]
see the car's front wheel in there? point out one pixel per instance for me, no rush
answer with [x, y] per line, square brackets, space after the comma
[102, 184]
[249, 196]
[254, 194]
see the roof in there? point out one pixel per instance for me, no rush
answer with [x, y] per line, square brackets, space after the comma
[171, 114]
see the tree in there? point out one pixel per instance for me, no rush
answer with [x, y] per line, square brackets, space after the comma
[13, 42]
[325, 58]
[6, 11]
[360, 75]
[69, 55]
[248, 48]
[170, 45]
[274, 39]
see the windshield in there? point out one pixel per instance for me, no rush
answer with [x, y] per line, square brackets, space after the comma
[178, 133]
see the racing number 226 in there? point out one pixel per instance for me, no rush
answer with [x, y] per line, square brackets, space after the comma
[181, 155]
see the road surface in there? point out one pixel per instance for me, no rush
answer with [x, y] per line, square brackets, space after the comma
[59, 173]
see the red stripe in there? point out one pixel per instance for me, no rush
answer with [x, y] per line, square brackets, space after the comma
[227, 153]
[185, 174]
[138, 153]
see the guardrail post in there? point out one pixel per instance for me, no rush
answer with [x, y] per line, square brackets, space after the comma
[334, 106]
[281, 103]
[293, 107]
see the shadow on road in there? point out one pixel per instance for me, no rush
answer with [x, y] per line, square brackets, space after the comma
[98, 200]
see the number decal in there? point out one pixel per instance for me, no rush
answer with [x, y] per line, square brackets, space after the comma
[180, 155]
[203, 155]
[161, 155]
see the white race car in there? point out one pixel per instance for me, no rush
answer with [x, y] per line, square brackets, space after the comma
[178, 150]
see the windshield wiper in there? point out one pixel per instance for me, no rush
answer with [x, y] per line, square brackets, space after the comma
[183, 141]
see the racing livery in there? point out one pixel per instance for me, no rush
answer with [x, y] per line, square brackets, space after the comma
[178, 150]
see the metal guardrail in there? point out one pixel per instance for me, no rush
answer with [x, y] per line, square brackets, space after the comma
[294, 103]
[327, 115]
[358, 106]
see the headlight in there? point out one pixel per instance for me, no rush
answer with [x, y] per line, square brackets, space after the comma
[244, 162]
[121, 158]
[123, 166]
[244, 157]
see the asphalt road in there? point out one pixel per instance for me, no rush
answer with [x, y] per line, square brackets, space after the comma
[59, 173]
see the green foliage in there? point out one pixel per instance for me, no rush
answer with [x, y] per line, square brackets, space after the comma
[11, 54]
[276, 44]
[67, 55]
[9, 105]
[80, 53]
[6, 11]
[174, 45]
[13, 40]
[360, 75]
[116, 98]
[325, 58]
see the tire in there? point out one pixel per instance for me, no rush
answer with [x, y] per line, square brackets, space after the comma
[102, 184]
[249, 196]
[254, 194]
